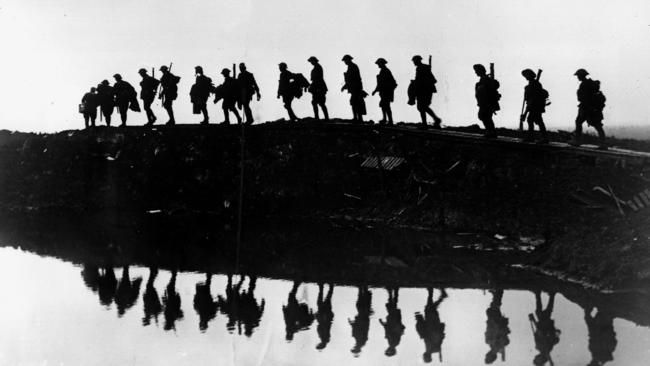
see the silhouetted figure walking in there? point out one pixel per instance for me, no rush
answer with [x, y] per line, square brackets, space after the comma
[496, 333]
[393, 326]
[318, 88]
[199, 94]
[204, 303]
[421, 91]
[90, 102]
[535, 98]
[602, 337]
[297, 316]
[429, 326]
[152, 305]
[361, 323]
[544, 331]
[487, 98]
[590, 108]
[286, 90]
[148, 89]
[251, 311]
[106, 286]
[229, 305]
[169, 93]
[172, 304]
[324, 316]
[386, 85]
[354, 86]
[125, 98]
[127, 292]
[106, 100]
[230, 93]
[248, 87]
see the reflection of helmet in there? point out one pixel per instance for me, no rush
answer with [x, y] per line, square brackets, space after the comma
[198, 69]
[416, 57]
[312, 59]
[390, 352]
[225, 72]
[381, 61]
[346, 58]
[164, 68]
[117, 77]
[93, 89]
[282, 65]
[582, 72]
[528, 74]
[142, 71]
[479, 68]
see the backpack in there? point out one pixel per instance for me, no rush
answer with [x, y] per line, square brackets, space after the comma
[598, 98]
[494, 93]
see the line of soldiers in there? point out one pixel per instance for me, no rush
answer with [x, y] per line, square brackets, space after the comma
[238, 92]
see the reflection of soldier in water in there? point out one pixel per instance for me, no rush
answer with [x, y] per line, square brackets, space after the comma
[172, 304]
[324, 316]
[127, 292]
[106, 286]
[251, 312]
[602, 337]
[393, 326]
[90, 275]
[361, 323]
[204, 303]
[496, 334]
[297, 316]
[230, 304]
[544, 331]
[429, 326]
[152, 306]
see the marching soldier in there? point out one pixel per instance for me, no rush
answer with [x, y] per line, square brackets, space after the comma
[106, 100]
[149, 86]
[318, 88]
[90, 102]
[285, 89]
[249, 88]
[354, 86]
[487, 98]
[229, 93]
[424, 85]
[590, 108]
[199, 94]
[386, 88]
[535, 98]
[169, 93]
[125, 97]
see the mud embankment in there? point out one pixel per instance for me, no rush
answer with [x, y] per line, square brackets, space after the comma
[525, 195]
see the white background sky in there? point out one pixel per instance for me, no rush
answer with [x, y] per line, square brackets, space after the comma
[53, 51]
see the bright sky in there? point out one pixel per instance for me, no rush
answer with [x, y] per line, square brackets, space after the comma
[54, 51]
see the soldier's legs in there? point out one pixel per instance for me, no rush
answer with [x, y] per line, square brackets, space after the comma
[151, 117]
[485, 115]
[325, 113]
[247, 112]
[170, 111]
[206, 118]
[389, 114]
[93, 117]
[436, 119]
[86, 118]
[314, 106]
[287, 105]
[123, 108]
[234, 110]
[107, 112]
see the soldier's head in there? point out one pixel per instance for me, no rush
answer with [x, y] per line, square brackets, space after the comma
[225, 73]
[479, 69]
[164, 68]
[381, 62]
[93, 89]
[417, 60]
[242, 67]
[528, 74]
[313, 60]
[142, 72]
[117, 77]
[198, 70]
[282, 66]
[581, 74]
[347, 59]
[104, 82]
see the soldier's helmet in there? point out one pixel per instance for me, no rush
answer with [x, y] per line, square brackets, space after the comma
[93, 89]
[242, 66]
[117, 77]
[381, 61]
[581, 72]
[528, 74]
[416, 58]
[142, 71]
[225, 72]
[312, 59]
[104, 82]
[347, 58]
[164, 68]
[282, 65]
[479, 68]
[198, 69]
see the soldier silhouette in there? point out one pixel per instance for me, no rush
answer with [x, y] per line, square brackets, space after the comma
[393, 326]
[229, 91]
[152, 305]
[90, 275]
[125, 98]
[199, 94]
[297, 316]
[127, 292]
[171, 304]
[248, 88]
[361, 324]
[544, 331]
[204, 303]
[422, 89]
[324, 316]
[354, 86]
[106, 100]
[106, 286]
[285, 89]
[251, 311]
[386, 85]
[602, 337]
[318, 88]
[169, 93]
[590, 108]
[229, 305]
[90, 102]
[430, 328]
[496, 333]
[535, 97]
[487, 98]
[148, 89]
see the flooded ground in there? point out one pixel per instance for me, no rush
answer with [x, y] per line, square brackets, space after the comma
[55, 312]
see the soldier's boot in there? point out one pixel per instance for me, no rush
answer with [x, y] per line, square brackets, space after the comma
[325, 114]
[602, 145]
[226, 117]
[292, 116]
[436, 120]
[577, 134]
[530, 134]
[544, 135]
[315, 108]
[206, 119]
[389, 114]
[234, 110]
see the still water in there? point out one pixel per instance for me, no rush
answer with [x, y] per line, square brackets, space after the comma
[57, 313]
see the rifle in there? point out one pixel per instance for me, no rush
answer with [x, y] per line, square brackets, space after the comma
[429, 61]
[491, 70]
[522, 116]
